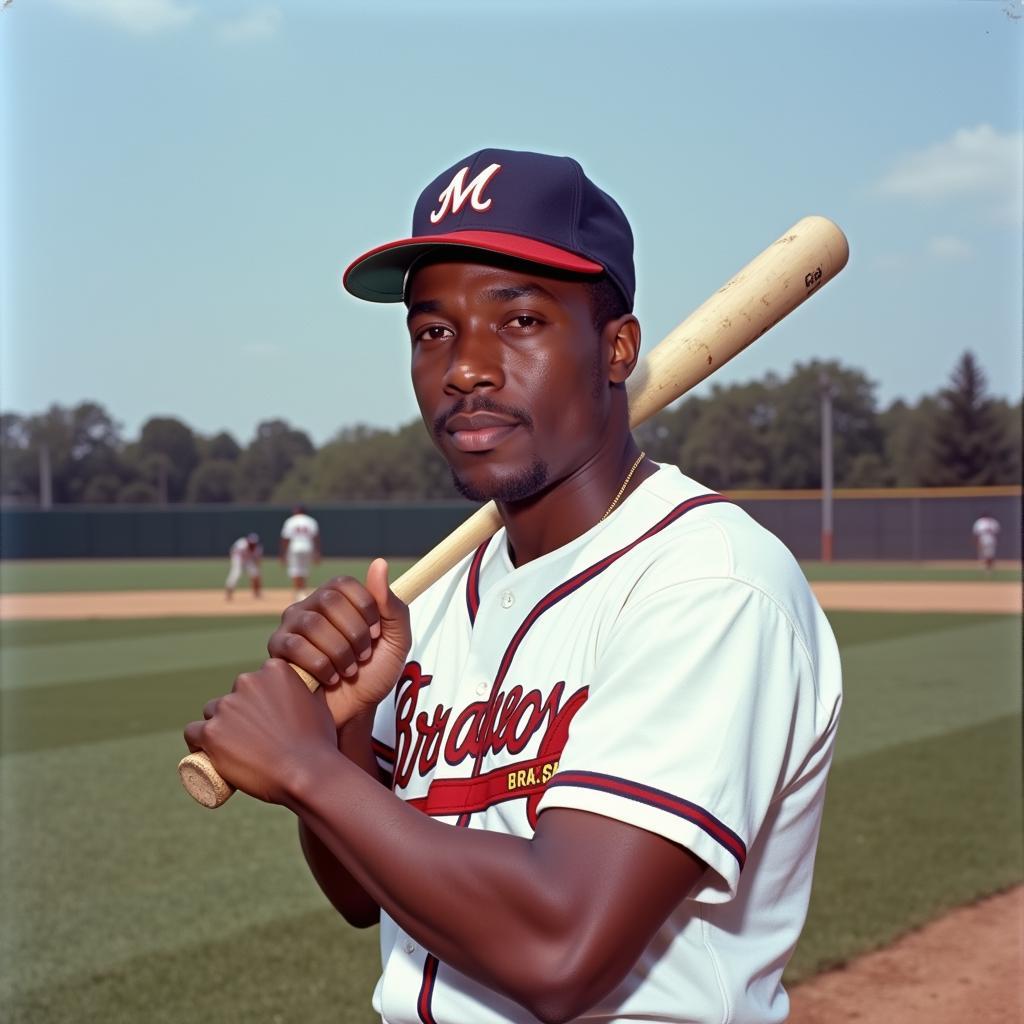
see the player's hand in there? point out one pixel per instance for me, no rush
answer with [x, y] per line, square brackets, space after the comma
[266, 732]
[353, 639]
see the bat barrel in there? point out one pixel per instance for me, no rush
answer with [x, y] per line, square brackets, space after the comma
[767, 289]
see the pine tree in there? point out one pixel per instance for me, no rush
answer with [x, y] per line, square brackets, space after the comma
[969, 444]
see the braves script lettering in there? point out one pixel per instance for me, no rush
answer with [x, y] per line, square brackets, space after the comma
[454, 197]
[507, 723]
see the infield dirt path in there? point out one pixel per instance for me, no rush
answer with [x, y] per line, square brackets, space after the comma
[143, 604]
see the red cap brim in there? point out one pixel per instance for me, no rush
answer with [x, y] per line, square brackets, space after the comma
[379, 275]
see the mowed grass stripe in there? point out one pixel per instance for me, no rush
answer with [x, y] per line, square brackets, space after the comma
[129, 657]
[912, 831]
[954, 671]
[45, 632]
[69, 714]
[311, 968]
[105, 858]
[38, 577]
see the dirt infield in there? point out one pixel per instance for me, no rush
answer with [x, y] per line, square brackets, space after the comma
[967, 966]
[842, 596]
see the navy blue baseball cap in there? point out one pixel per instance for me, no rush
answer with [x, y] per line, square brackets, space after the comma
[530, 206]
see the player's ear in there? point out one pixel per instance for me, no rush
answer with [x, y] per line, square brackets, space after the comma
[622, 336]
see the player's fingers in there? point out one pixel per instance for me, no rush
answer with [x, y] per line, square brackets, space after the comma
[348, 619]
[394, 612]
[193, 736]
[210, 709]
[296, 649]
[358, 596]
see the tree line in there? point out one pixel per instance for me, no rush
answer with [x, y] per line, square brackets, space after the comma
[761, 434]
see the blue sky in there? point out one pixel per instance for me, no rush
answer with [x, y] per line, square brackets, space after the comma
[183, 182]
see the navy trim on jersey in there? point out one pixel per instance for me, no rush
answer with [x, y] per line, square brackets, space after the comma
[383, 752]
[659, 799]
[473, 582]
[423, 1008]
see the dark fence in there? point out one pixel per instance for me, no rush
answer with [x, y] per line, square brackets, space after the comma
[199, 531]
[905, 524]
[911, 524]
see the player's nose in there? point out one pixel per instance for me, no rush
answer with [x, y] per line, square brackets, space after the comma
[474, 360]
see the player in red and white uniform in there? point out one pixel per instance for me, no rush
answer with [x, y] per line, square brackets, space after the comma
[245, 555]
[300, 548]
[604, 736]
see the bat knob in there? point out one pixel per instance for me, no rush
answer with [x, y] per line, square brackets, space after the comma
[201, 780]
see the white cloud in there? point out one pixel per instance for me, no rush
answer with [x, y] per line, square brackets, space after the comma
[949, 248]
[257, 23]
[142, 16]
[974, 162]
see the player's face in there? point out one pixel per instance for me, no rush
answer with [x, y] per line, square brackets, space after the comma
[507, 369]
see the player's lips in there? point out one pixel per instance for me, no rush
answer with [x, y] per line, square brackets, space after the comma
[479, 432]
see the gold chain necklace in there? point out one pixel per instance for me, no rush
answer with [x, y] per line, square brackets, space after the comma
[622, 489]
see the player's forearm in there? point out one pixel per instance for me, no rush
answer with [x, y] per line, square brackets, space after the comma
[468, 896]
[347, 896]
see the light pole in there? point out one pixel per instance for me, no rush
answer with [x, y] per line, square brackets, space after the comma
[825, 385]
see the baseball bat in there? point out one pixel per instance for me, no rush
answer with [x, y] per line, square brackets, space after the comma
[768, 288]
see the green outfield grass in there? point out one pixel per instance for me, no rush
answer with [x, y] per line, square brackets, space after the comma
[965, 572]
[31, 577]
[38, 577]
[123, 901]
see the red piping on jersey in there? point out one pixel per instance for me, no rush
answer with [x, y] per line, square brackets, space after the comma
[426, 1015]
[546, 602]
[658, 798]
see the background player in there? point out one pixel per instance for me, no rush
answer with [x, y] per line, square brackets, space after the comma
[620, 710]
[986, 538]
[246, 554]
[300, 548]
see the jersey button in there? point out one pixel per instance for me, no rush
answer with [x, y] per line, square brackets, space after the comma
[410, 946]
[508, 599]
[482, 689]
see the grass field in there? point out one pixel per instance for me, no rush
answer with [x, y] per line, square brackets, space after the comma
[125, 902]
[32, 577]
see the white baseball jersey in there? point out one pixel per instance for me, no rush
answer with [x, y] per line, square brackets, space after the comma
[670, 668]
[241, 550]
[300, 530]
[986, 529]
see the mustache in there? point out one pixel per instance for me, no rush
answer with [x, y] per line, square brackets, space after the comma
[481, 403]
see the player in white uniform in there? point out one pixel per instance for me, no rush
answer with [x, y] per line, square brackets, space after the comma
[300, 548]
[986, 537]
[245, 555]
[604, 736]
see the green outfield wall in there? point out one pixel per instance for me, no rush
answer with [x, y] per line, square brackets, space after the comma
[905, 524]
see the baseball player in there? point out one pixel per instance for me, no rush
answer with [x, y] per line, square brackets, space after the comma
[581, 777]
[986, 537]
[245, 555]
[300, 548]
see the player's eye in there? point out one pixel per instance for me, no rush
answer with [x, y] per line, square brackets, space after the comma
[523, 321]
[433, 332]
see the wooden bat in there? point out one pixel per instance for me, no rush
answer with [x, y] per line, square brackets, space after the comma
[767, 289]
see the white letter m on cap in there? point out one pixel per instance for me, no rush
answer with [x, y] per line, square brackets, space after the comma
[454, 197]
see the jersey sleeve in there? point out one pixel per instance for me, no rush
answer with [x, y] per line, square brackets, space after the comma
[702, 708]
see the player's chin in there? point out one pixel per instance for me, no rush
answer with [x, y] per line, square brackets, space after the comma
[490, 479]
